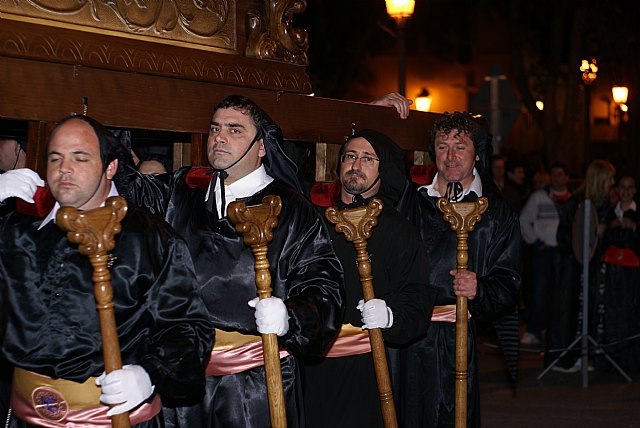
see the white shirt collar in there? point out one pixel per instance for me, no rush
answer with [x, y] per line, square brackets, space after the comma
[476, 186]
[247, 186]
[620, 213]
[52, 215]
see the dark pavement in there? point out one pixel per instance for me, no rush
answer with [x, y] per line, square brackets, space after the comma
[558, 399]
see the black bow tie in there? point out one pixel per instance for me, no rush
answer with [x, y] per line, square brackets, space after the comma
[454, 191]
[218, 174]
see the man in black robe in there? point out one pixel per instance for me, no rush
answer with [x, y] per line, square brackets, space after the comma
[340, 387]
[49, 325]
[461, 149]
[248, 163]
[12, 159]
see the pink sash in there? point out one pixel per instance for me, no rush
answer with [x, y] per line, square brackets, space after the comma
[445, 313]
[351, 341]
[57, 415]
[234, 352]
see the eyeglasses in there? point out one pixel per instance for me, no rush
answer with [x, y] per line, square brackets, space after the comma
[365, 160]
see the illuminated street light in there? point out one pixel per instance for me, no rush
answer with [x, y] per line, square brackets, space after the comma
[620, 94]
[589, 68]
[423, 100]
[400, 11]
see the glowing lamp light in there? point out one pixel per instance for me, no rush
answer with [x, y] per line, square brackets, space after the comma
[423, 100]
[400, 9]
[620, 94]
[540, 105]
[589, 68]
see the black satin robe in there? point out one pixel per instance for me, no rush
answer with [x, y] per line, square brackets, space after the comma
[343, 391]
[305, 273]
[49, 318]
[428, 382]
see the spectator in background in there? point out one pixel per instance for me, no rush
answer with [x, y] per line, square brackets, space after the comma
[515, 187]
[497, 171]
[619, 294]
[540, 180]
[12, 153]
[539, 224]
[154, 164]
[564, 325]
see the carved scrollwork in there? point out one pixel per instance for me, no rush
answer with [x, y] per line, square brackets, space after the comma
[93, 230]
[67, 45]
[256, 223]
[355, 223]
[462, 216]
[206, 22]
[273, 36]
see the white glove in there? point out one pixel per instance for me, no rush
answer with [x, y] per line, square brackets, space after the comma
[271, 315]
[21, 183]
[129, 386]
[375, 314]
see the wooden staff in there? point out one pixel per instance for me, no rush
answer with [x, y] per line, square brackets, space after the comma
[93, 231]
[256, 224]
[356, 224]
[463, 217]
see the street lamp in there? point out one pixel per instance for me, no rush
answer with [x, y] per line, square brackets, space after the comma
[400, 11]
[620, 95]
[423, 100]
[589, 69]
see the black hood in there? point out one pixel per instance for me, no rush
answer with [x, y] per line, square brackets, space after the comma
[392, 168]
[276, 162]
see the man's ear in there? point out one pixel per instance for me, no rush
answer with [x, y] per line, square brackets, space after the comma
[112, 168]
[261, 150]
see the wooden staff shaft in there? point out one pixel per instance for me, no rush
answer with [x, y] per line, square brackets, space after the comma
[377, 342]
[462, 329]
[110, 343]
[271, 350]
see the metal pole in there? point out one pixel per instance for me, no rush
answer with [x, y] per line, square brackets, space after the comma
[401, 57]
[587, 124]
[586, 241]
